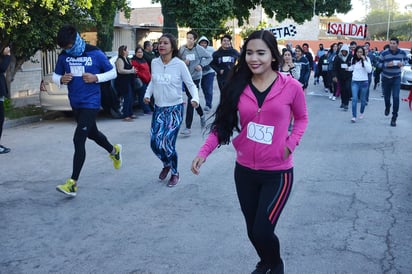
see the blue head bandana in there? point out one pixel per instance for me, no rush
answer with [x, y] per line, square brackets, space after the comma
[78, 47]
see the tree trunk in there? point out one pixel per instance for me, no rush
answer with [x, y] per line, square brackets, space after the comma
[14, 66]
[169, 18]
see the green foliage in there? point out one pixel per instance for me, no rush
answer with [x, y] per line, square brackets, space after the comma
[19, 112]
[12, 112]
[7, 104]
[400, 25]
[103, 14]
[206, 17]
[298, 10]
[31, 25]
[248, 30]
[209, 17]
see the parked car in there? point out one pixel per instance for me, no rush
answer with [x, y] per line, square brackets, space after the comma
[406, 74]
[56, 98]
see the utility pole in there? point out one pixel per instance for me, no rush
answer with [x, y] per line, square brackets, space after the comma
[389, 21]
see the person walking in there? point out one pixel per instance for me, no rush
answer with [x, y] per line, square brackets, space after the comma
[342, 75]
[148, 53]
[332, 87]
[143, 74]
[82, 68]
[195, 58]
[302, 63]
[257, 102]
[319, 53]
[168, 73]
[361, 67]
[372, 58]
[208, 75]
[224, 59]
[322, 70]
[390, 62]
[4, 64]
[126, 75]
[288, 67]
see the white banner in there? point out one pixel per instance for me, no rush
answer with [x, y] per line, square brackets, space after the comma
[347, 29]
[283, 32]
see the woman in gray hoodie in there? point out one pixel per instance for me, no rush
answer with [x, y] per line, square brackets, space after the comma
[195, 58]
[208, 75]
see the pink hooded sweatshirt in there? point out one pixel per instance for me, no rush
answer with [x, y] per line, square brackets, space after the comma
[264, 132]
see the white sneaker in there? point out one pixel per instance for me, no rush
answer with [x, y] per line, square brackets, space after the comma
[361, 116]
[333, 98]
[186, 132]
[353, 120]
[330, 96]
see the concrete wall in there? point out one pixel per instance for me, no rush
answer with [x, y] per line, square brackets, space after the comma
[27, 80]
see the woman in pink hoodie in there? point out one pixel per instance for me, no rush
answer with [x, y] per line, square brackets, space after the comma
[258, 102]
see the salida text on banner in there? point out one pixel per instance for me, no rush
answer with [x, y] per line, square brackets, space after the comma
[347, 29]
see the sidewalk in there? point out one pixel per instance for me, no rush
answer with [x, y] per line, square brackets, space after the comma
[21, 102]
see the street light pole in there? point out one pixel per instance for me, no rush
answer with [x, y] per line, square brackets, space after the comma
[314, 7]
[389, 22]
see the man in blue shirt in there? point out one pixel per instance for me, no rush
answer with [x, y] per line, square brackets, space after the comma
[82, 68]
[390, 62]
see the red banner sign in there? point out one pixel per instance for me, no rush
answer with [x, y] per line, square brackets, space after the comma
[347, 29]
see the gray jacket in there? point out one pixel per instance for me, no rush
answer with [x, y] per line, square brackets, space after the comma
[197, 56]
[207, 69]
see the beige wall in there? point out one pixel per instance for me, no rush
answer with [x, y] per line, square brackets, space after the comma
[27, 80]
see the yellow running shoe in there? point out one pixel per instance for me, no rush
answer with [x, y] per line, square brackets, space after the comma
[69, 188]
[117, 158]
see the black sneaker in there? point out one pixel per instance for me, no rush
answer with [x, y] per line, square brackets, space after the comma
[4, 150]
[262, 268]
[387, 110]
[393, 122]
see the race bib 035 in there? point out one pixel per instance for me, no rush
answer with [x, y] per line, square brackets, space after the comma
[260, 133]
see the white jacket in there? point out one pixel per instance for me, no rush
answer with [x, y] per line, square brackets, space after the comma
[360, 73]
[166, 83]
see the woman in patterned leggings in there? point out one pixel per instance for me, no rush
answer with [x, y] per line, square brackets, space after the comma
[168, 73]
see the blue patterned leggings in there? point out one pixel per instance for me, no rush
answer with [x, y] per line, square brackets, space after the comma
[166, 123]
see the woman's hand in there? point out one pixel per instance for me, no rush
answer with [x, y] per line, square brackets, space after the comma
[146, 100]
[196, 163]
[194, 104]
[286, 153]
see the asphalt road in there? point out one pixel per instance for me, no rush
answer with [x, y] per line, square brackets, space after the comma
[349, 212]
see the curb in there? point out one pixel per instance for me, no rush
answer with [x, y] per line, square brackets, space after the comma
[22, 121]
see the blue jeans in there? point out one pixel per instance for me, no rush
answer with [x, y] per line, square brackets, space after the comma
[141, 91]
[362, 88]
[391, 86]
[207, 88]
[128, 103]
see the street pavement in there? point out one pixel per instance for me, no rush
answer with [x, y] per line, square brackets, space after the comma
[350, 210]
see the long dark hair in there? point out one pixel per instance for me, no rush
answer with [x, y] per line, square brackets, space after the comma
[173, 42]
[355, 58]
[226, 116]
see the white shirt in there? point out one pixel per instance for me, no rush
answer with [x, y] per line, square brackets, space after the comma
[360, 73]
[167, 80]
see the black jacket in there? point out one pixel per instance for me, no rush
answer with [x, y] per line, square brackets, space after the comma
[224, 59]
[4, 63]
[339, 72]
